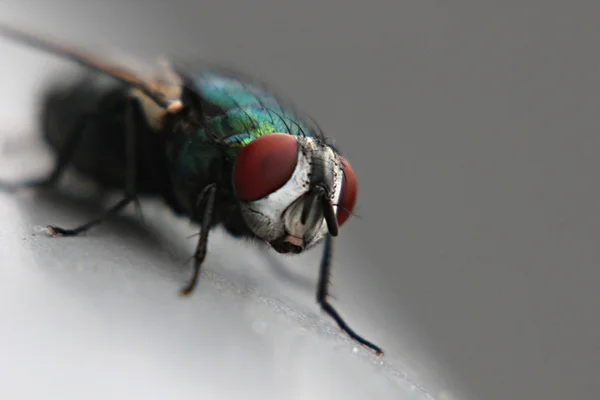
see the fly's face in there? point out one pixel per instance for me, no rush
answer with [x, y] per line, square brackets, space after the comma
[293, 190]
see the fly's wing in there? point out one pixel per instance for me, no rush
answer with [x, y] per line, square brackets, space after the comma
[161, 86]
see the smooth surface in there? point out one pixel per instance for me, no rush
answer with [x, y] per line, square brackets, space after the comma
[99, 317]
[473, 130]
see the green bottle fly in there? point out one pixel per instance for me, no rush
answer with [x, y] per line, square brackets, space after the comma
[218, 148]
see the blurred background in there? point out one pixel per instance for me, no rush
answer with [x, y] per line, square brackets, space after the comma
[473, 130]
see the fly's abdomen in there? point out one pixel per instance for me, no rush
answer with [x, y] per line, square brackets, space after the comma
[80, 109]
[98, 116]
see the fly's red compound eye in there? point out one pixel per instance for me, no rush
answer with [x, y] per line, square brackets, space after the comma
[264, 166]
[349, 193]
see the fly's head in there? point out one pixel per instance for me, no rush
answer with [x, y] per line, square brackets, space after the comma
[293, 190]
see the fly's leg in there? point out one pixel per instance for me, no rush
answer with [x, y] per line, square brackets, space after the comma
[55, 230]
[63, 160]
[323, 293]
[207, 197]
[133, 114]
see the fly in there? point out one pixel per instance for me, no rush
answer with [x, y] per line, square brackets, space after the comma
[216, 148]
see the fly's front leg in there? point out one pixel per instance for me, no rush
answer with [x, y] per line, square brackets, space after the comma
[134, 114]
[323, 294]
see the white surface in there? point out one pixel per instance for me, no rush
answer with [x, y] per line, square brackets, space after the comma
[99, 317]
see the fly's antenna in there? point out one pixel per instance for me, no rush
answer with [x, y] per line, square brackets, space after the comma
[147, 87]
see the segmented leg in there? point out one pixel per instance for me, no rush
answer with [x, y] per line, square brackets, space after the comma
[55, 230]
[207, 197]
[323, 293]
[133, 113]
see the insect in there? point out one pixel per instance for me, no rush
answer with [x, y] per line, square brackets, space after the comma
[217, 148]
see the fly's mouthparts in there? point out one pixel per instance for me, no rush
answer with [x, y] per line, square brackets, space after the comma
[283, 245]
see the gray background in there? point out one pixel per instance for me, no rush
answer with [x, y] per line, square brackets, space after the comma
[473, 129]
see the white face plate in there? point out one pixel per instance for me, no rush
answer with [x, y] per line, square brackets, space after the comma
[279, 214]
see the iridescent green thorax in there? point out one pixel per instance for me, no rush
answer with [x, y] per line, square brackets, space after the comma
[244, 111]
[237, 112]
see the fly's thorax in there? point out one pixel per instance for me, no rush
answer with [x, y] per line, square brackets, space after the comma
[284, 203]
